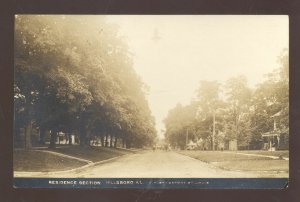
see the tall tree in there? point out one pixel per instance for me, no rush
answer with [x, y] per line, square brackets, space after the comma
[238, 99]
[209, 103]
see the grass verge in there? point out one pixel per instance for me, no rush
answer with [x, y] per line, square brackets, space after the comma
[234, 161]
[33, 160]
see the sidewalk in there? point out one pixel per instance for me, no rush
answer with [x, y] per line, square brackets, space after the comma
[258, 155]
[66, 156]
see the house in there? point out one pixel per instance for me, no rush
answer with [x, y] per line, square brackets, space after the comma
[191, 145]
[276, 139]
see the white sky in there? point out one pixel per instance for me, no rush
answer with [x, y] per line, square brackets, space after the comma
[193, 48]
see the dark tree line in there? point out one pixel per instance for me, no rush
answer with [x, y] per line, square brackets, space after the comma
[75, 75]
[234, 111]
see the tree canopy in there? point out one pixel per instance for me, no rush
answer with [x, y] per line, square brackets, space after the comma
[241, 113]
[76, 74]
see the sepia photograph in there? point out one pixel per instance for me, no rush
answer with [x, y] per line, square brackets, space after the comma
[151, 101]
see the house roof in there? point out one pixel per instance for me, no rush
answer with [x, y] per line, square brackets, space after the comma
[270, 134]
[277, 114]
[192, 143]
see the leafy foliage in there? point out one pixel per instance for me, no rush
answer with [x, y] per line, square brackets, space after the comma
[241, 113]
[75, 75]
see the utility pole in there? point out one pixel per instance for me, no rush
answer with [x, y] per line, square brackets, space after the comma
[214, 130]
[187, 137]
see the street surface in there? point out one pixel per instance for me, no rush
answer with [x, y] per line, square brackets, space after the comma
[149, 164]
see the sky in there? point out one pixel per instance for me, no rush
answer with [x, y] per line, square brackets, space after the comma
[191, 48]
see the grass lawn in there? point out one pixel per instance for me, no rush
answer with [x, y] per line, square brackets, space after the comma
[32, 160]
[93, 154]
[233, 161]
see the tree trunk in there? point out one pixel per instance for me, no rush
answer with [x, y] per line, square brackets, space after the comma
[70, 138]
[127, 144]
[116, 141]
[53, 137]
[59, 139]
[123, 143]
[82, 140]
[82, 136]
[88, 138]
[106, 140]
[102, 140]
[17, 137]
[90, 141]
[111, 141]
[28, 135]
[42, 135]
